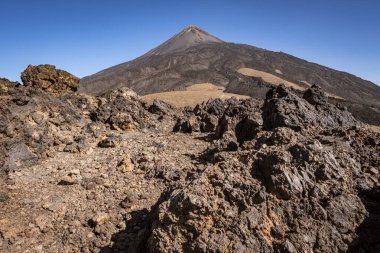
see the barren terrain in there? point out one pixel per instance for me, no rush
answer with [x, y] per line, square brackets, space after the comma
[192, 95]
[267, 77]
[112, 173]
[275, 80]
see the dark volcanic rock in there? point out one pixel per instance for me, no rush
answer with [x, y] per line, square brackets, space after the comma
[212, 106]
[283, 108]
[109, 142]
[203, 117]
[187, 124]
[315, 95]
[33, 124]
[297, 193]
[284, 190]
[48, 78]
[242, 117]
[209, 113]
[121, 109]
[160, 107]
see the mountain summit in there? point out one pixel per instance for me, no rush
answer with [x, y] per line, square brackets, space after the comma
[193, 56]
[188, 37]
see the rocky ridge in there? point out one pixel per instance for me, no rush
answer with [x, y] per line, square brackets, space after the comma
[108, 174]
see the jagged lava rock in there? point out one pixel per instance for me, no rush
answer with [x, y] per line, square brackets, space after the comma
[160, 107]
[48, 78]
[5, 84]
[315, 95]
[242, 117]
[289, 192]
[33, 124]
[283, 108]
[122, 109]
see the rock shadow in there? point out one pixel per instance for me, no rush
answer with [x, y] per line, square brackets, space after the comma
[368, 232]
[134, 238]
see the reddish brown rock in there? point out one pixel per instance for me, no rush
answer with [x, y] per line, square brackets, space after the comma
[50, 79]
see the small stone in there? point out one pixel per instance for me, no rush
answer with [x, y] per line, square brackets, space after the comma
[374, 171]
[3, 197]
[129, 199]
[146, 157]
[70, 179]
[71, 148]
[72, 230]
[75, 172]
[128, 126]
[89, 151]
[150, 149]
[126, 164]
[287, 247]
[121, 225]
[39, 248]
[99, 219]
[54, 204]
[109, 142]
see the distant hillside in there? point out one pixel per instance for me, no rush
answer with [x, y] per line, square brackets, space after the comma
[194, 56]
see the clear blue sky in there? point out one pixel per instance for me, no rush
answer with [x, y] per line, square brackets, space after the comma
[84, 37]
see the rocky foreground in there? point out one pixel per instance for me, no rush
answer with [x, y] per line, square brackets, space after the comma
[78, 173]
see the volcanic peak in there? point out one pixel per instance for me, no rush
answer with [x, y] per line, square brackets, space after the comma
[188, 37]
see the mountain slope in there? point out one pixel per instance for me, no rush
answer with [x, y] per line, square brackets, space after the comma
[194, 56]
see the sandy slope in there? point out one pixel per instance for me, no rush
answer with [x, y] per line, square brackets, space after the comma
[275, 80]
[193, 95]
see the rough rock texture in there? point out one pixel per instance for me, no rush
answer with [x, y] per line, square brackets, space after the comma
[315, 95]
[203, 117]
[219, 116]
[283, 108]
[105, 174]
[283, 191]
[121, 109]
[243, 117]
[160, 107]
[50, 79]
[33, 125]
[287, 192]
[5, 84]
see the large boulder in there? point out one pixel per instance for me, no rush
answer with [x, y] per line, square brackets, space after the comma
[315, 95]
[284, 108]
[160, 107]
[50, 79]
[122, 109]
[203, 117]
[242, 117]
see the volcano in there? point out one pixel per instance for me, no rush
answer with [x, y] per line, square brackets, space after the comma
[194, 56]
[189, 37]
